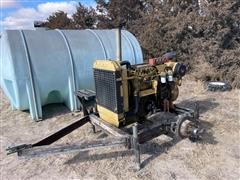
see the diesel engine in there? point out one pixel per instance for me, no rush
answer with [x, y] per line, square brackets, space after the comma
[127, 93]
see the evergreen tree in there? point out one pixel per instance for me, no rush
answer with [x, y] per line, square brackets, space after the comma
[59, 20]
[85, 17]
[115, 13]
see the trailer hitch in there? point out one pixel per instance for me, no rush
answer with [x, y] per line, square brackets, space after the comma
[51, 138]
[18, 149]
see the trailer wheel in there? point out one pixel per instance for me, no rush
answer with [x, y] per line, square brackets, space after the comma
[183, 124]
[218, 86]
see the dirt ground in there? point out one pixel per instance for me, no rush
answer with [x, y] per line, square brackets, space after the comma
[217, 156]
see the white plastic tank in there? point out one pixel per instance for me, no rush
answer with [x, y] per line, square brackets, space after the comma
[40, 67]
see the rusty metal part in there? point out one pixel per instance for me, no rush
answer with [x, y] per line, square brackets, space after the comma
[186, 128]
[166, 105]
[62, 132]
[52, 138]
[77, 146]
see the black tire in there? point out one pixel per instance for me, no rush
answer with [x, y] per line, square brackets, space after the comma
[218, 86]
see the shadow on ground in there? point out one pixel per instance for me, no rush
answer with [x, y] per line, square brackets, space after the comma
[151, 148]
[204, 105]
[54, 110]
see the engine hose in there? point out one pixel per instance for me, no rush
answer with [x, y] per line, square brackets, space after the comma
[136, 104]
[127, 63]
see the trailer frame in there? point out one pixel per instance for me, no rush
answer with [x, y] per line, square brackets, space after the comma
[129, 137]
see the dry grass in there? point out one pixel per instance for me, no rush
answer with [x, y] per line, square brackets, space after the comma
[216, 157]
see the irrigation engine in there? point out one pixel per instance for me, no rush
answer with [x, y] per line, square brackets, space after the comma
[127, 93]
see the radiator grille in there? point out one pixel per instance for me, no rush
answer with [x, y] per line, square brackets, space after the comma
[108, 92]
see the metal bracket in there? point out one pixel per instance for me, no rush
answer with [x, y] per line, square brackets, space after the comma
[136, 146]
[86, 98]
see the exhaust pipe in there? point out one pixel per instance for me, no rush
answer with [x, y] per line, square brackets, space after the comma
[118, 44]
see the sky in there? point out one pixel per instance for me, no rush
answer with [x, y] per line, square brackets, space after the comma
[20, 14]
